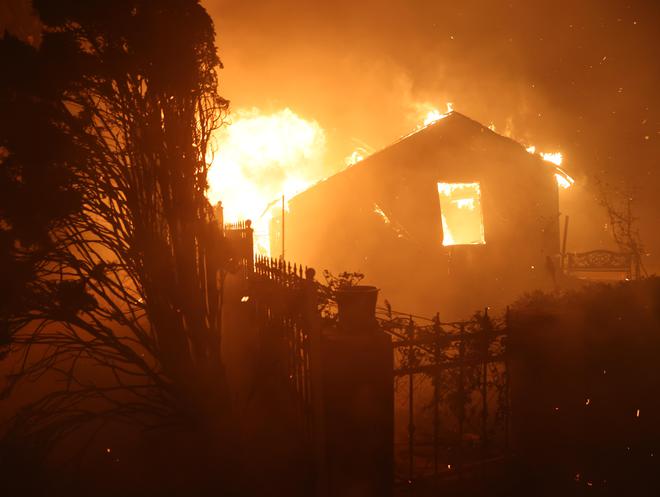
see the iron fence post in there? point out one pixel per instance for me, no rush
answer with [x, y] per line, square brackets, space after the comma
[461, 398]
[312, 320]
[436, 389]
[411, 424]
[507, 392]
[485, 337]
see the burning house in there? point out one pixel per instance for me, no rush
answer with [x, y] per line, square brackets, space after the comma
[448, 219]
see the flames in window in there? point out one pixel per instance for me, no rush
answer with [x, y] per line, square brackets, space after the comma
[462, 219]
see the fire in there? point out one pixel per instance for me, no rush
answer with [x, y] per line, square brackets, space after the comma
[564, 180]
[355, 157]
[460, 212]
[555, 157]
[447, 237]
[260, 158]
[430, 114]
[465, 203]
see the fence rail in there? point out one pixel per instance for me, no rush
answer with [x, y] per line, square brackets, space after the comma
[285, 306]
[600, 261]
[451, 378]
[457, 372]
[240, 240]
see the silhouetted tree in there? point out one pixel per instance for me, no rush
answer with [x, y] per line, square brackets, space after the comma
[36, 184]
[111, 247]
[625, 230]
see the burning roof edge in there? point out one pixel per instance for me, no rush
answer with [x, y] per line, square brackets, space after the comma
[447, 119]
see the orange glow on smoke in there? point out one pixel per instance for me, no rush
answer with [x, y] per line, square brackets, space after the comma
[460, 210]
[264, 156]
[260, 158]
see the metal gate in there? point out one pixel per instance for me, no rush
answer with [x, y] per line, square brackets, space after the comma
[451, 394]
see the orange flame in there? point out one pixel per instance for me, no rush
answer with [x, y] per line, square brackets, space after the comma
[355, 157]
[426, 114]
[555, 157]
[460, 211]
[260, 158]
[564, 180]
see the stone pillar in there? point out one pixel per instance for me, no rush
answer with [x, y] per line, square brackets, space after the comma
[358, 399]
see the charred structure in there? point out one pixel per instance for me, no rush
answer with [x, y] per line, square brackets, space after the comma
[451, 217]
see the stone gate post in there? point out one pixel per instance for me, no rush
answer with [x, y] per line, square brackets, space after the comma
[357, 381]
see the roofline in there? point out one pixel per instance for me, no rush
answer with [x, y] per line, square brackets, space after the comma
[440, 122]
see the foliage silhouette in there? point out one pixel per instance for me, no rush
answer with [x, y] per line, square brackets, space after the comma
[623, 223]
[112, 252]
[584, 389]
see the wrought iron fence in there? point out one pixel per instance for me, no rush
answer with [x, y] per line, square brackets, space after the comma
[601, 261]
[451, 393]
[451, 378]
[240, 239]
[286, 312]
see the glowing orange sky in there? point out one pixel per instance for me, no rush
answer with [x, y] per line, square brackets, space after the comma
[577, 77]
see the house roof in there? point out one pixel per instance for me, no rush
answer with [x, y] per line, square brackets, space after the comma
[454, 124]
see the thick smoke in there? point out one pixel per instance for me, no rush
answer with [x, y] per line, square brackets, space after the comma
[580, 78]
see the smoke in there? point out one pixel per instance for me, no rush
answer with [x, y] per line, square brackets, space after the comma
[580, 78]
[577, 78]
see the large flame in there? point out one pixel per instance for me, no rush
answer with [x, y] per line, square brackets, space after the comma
[262, 157]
